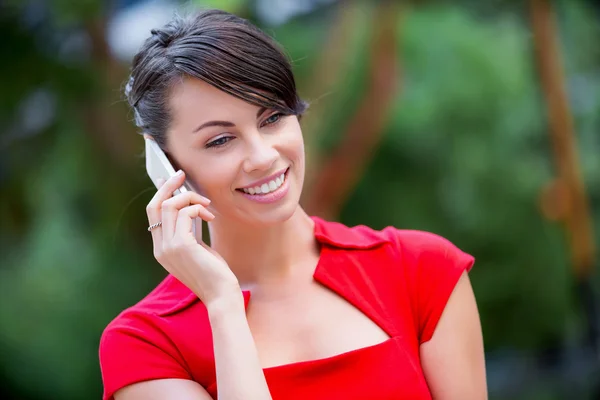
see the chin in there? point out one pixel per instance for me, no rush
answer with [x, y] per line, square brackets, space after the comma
[271, 217]
[281, 216]
[261, 215]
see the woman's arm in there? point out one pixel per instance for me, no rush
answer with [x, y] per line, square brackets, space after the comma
[453, 360]
[239, 373]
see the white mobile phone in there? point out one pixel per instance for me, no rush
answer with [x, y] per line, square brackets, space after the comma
[159, 167]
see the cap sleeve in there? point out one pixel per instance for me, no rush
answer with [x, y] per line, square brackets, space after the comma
[132, 351]
[433, 266]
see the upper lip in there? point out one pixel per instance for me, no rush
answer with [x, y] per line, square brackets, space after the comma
[265, 180]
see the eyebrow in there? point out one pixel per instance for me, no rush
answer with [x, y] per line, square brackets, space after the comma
[225, 124]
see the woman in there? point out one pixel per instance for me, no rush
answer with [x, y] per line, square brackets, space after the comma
[282, 305]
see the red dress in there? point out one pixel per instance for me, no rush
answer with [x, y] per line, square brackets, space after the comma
[400, 279]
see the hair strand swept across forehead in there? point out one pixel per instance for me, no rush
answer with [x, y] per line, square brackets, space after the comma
[219, 48]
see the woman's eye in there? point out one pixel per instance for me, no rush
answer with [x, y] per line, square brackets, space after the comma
[273, 119]
[219, 142]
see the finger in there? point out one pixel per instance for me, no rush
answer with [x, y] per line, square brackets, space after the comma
[153, 209]
[170, 208]
[154, 216]
[186, 217]
[163, 193]
[156, 235]
[172, 184]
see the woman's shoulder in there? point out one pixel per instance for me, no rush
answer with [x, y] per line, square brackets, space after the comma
[144, 341]
[168, 296]
[409, 272]
[415, 255]
[145, 318]
[153, 338]
[406, 241]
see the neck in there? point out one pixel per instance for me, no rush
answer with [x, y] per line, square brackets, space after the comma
[264, 254]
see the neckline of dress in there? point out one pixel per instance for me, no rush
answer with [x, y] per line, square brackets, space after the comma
[331, 359]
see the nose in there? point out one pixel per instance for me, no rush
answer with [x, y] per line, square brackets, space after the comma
[261, 155]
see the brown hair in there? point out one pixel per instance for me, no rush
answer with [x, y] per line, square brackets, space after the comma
[223, 50]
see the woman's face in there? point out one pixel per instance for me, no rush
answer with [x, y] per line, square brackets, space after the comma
[235, 153]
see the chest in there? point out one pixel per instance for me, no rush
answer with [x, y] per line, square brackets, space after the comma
[308, 323]
[314, 343]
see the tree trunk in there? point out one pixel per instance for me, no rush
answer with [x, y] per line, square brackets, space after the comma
[337, 175]
[574, 209]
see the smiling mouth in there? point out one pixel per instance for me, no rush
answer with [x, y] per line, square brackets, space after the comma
[268, 187]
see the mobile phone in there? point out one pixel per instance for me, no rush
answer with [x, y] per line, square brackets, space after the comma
[158, 167]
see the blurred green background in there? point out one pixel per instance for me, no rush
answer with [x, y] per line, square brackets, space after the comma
[460, 147]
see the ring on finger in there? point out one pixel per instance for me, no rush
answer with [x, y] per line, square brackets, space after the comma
[156, 225]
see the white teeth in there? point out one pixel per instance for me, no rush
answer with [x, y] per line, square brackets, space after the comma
[267, 187]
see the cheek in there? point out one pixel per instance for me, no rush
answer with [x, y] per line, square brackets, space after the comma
[215, 178]
[294, 143]
[209, 176]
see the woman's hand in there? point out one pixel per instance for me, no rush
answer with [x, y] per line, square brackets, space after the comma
[195, 264]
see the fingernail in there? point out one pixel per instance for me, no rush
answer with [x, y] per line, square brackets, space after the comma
[180, 172]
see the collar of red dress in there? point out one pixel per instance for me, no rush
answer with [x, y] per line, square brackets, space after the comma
[171, 295]
[338, 235]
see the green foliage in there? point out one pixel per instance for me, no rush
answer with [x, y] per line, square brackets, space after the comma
[232, 6]
[466, 156]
